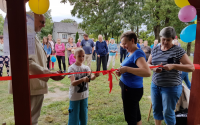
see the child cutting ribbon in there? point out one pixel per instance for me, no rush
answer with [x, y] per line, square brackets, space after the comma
[78, 91]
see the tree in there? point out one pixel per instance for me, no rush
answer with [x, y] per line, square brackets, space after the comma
[67, 21]
[48, 29]
[148, 36]
[101, 17]
[1, 24]
[132, 14]
[162, 13]
[77, 37]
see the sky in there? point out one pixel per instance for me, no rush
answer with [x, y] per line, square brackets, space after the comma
[59, 11]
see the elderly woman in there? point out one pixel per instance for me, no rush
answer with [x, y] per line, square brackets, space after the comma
[112, 49]
[133, 69]
[102, 51]
[166, 83]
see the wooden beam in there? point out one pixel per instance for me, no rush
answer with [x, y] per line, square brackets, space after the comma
[194, 104]
[16, 14]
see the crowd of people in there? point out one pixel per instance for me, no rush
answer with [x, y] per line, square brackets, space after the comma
[135, 59]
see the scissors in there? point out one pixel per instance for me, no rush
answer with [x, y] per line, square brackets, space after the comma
[89, 76]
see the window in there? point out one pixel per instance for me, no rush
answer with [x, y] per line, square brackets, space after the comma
[64, 36]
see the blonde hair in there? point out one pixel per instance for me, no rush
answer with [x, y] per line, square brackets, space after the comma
[48, 44]
[72, 50]
[49, 35]
[78, 50]
[111, 40]
[70, 38]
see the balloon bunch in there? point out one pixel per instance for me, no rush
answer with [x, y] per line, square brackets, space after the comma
[188, 13]
[39, 6]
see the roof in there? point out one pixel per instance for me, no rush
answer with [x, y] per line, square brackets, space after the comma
[67, 27]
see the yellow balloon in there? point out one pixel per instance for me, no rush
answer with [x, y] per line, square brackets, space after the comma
[195, 22]
[39, 6]
[182, 3]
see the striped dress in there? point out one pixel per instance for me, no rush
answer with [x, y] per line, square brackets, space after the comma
[171, 56]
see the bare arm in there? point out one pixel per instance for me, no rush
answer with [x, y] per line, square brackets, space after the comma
[186, 65]
[92, 49]
[143, 70]
[77, 82]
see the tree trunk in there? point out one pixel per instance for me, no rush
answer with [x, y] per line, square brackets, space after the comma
[188, 48]
[106, 36]
[156, 32]
[137, 31]
[112, 34]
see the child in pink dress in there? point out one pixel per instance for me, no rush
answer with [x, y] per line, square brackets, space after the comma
[72, 60]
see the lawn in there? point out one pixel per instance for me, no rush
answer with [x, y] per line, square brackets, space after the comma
[103, 108]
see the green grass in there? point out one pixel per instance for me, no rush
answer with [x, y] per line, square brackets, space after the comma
[103, 108]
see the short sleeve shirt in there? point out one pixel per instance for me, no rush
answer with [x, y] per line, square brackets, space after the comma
[80, 91]
[129, 79]
[171, 56]
[87, 46]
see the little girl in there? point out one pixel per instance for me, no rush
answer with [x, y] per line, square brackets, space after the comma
[72, 60]
[78, 91]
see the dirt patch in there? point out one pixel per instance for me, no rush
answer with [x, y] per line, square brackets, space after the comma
[57, 96]
[58, 84]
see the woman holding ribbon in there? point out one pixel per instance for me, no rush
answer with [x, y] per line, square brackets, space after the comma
[133, 69]
[166, 86]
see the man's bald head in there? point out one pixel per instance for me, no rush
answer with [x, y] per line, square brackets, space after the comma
[39, 22]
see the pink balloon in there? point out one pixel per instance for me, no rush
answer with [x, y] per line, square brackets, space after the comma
[187, 13]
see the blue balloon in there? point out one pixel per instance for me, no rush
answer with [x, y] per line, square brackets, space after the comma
[194, 19]
[53, 59]
[188, 34]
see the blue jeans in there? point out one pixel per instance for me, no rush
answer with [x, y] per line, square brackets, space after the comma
[184, 76]
[78, 112]
[164, 101]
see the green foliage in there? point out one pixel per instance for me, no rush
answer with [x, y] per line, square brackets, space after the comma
[147, 35]
[67, 21]
[1, 24]
[77, 37]
[162, 13]
[184, 45]
[48, 29]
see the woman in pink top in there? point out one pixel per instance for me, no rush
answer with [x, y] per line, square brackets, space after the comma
[52, 50]
[60, 54]
[72, 60]
[78, 44]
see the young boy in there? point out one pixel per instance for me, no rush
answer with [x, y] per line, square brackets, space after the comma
[78, 91]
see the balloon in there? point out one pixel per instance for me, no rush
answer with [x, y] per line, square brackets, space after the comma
[39, 6]
[188, 34]
[53, 59]
[182, 3]
[195, 22]
[187, 13]
[3, 6]
[194, 19]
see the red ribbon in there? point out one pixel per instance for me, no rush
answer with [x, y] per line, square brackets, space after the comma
[109, 72]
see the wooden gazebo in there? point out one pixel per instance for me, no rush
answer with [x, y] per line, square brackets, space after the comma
[16, 14]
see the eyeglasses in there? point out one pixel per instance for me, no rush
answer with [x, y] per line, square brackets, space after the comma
[42, 22]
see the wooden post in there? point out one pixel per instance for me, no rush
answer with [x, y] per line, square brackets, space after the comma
[16, 14]
[194, 104]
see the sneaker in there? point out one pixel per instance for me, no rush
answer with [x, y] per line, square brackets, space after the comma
[120, 64]
[64, 71]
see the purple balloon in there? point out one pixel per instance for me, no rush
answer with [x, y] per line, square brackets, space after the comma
[187, 13]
